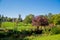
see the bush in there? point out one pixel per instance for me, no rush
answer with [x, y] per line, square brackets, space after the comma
[46, 30]
[26, 32]
[39, 21]
[55, 30]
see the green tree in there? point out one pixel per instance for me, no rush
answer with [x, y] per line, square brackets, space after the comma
[56, 19]
[3, 18]
[9, 19]
[28, 19]
[49, 16]
[0, 20]
[19, 18]
[6, 19]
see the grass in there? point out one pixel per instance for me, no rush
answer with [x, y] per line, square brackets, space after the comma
[19, 27]
[38, 37]
[28, 27]
[50, 37]
[8, 25]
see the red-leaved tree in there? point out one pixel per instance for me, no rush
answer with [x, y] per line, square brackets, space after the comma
[39, 21]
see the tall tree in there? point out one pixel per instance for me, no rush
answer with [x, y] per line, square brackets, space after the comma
[56, 19]
[20, 19]
[9, 19]
[3, 18]
[28, 18]
[6, 18]
[0, 20]
[49, 16]
[39, 21]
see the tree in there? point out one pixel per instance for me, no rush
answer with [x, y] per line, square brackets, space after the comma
[50, 18]
[28, 19]
[0, 20]
[56, 19]
[39, 21]
[6, 19]
[9, 19]
[3, 18]
[20, 19]
[49, 15]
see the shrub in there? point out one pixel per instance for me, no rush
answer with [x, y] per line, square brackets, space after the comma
[55, 30]
[46, 30]
[26, 32]
[39, 21]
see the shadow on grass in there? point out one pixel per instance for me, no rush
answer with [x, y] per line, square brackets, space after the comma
[16, 35]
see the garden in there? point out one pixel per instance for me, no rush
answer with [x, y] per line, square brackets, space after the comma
[31, 28]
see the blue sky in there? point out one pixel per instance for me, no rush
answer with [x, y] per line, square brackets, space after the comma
[12, 8]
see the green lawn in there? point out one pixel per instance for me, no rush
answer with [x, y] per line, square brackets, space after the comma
[50, 37]
[21, 26]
